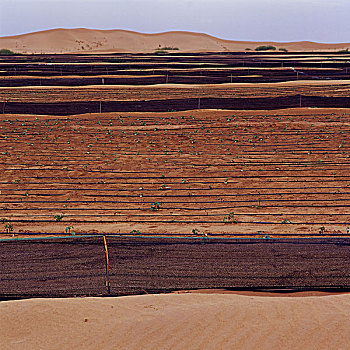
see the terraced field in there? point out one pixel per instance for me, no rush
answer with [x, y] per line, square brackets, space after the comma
[162, 159]
[203, 171]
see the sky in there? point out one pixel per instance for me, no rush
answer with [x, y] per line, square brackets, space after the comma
[255, 20]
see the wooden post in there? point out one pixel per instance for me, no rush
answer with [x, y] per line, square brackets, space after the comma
[103, 81]
[300, 100]
[199, 103]
[100, 107]
[108, 285]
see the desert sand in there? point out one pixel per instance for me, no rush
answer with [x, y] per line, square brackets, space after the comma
[177, 321]
[92, 40]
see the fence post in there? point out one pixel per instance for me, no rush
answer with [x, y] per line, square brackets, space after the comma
[108, 286]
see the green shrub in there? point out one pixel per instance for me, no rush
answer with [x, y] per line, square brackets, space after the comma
[344, 51]
[265, 48]
[160, 52]
[282, 49]
[7, 52]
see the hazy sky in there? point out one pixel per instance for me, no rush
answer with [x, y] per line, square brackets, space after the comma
[276, 20]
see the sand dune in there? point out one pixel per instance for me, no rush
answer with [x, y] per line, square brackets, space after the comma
[177, 321]
[92, 40]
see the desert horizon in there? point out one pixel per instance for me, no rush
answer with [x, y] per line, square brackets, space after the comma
[84, 40]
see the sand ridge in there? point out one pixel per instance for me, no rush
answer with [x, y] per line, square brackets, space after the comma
[177, 321]
[82, 40]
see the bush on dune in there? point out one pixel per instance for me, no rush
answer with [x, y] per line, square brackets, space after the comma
[6, 52]
[265, 48]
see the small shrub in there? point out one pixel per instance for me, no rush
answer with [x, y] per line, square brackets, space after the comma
[168, 48]
[7, 52]
[160, 52]
[265, 48]
[282, 49]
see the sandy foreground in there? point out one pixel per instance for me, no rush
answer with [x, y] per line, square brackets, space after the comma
[178, 321]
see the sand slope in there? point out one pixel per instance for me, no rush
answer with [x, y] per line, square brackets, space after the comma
[92, 40]
[177, 321]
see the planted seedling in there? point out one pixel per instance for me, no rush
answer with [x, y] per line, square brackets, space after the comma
[59, 217]
[9, 228]
[155, 206]
[69, 229]
[230, 218]
[195, 231]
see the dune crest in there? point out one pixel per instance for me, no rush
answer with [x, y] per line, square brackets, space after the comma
[109, 41]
